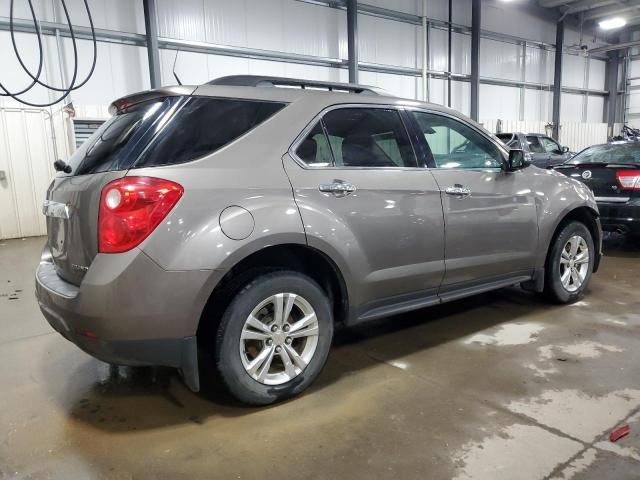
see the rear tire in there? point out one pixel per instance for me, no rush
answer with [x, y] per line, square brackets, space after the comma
[569, 263]
[274, 338]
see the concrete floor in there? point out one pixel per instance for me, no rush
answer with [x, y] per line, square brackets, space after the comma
[501, 386]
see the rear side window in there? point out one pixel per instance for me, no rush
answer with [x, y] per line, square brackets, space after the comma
[358, 137]
[202, 126]
[168, 131]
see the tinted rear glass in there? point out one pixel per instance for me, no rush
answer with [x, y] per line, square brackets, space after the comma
[623, 154]
[168, 131]
[203, 125]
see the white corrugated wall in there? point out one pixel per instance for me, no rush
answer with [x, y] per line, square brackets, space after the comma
[26, 161]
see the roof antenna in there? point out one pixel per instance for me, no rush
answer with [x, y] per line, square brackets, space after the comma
[175, 75]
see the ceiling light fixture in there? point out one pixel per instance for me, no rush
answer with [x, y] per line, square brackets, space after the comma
[612, 23]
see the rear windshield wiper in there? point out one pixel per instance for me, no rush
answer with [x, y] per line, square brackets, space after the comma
[62, 166]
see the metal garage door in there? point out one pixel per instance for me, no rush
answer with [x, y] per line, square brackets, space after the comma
[26, 168]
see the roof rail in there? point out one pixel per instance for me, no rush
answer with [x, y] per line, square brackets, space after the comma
[262, 81]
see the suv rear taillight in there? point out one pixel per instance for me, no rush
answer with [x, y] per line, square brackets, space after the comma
[628, 179]
[131, 208]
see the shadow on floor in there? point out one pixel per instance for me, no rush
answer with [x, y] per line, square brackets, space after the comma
[124, 399]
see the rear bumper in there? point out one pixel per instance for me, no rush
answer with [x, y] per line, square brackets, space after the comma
[620, 217]
[129, 311]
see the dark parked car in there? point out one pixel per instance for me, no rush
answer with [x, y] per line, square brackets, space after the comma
[540, 150]
[612, 171]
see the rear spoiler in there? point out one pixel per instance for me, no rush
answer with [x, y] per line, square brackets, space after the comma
[129, 100]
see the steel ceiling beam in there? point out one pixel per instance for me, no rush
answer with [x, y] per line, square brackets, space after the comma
[554, 3]
[585, 5]
[619, 8]
[618, 46]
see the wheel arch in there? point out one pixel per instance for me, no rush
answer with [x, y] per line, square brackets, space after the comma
[587, 216]
[297, 257]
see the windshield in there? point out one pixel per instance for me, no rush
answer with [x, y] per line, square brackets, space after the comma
[628, 153]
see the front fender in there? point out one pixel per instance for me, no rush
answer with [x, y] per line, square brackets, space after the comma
[558, 196]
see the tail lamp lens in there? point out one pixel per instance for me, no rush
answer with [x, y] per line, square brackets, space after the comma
[628, 179]
[131, 208]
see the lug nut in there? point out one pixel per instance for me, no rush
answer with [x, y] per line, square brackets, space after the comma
[278, 349]
[286, 328]
[269, 342]
[274, 328]
[288, 340]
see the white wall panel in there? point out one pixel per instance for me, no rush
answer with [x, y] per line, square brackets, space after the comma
[578, 135]
[571, 108]
[499, 102]
[438, 51]
[597, 69]
[120, 70]
[539, 65]
[595, 109]
[315, 30]
[13, 76]
[500, 59]
[26, 156]
[538, 105]
[573, 70]
[516, 21]
[121, 15]
[514, 126]
[399, 85]
[185, 19]
[387, 42]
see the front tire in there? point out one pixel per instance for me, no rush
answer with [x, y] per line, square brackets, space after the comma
[570, 263]
[274, 338]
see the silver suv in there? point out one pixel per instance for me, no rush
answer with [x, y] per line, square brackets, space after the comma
[244, 220]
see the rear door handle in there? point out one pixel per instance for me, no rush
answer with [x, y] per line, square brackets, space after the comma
[458, 190]
[337, 188]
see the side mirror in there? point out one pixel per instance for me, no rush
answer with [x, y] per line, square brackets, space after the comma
[565, 149]
[517, 160]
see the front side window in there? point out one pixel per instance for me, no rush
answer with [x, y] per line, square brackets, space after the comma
[534, 144]
[456, 145]
[358, 137]
[550, 146]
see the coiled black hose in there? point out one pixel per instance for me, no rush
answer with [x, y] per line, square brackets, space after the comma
[35, 79]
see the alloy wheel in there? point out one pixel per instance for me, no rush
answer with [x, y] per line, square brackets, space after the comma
[574, 263]
[279, 338]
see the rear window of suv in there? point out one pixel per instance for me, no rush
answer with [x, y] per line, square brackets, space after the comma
[168, 131]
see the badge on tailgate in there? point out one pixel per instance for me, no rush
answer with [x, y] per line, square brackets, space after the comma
[56, 209]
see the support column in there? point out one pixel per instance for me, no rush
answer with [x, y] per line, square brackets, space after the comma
[557, 79]
[449, 53]
[476, 11]
[611, 101]
[352, 39]
[151, 34]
